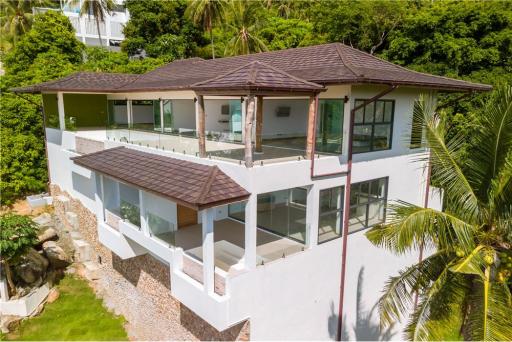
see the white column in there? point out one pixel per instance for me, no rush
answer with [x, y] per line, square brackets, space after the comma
[244, 111]
[108, 30]
[99, 196]
[81, 22]
[60, 107]
[143, 223]
[251, 232]
[312, 213]
[4, 293]
[161, 115]
[208, 250]
[129, 113]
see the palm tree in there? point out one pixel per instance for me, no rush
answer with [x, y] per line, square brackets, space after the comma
[97, 8]
[465, 284]
[206, 13]
[16, 19]
[245, 21]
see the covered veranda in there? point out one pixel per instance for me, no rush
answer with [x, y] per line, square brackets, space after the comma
[254, 81]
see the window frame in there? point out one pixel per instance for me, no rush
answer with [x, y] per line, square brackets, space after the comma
[367, 204]
[318, 123]
[332, 211]
[373, 123]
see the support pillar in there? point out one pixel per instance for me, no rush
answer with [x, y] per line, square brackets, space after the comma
[99, 197]
[248, 130]
[312, 112]
[201, 126]
[312, 214]
[208, 250]
[259, 124]
[251, 233]
[60, 108]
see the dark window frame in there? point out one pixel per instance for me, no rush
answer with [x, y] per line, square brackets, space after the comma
[340, 210]
[373, 123]
[342, 123]
[367, 204]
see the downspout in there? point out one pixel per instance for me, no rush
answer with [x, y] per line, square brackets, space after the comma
[41, 108]
[346, 208]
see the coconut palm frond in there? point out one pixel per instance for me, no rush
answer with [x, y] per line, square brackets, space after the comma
[398, 292]
[474, 263]
[437, 305]
[493, 143]
[500, 194]
[245, 21]
[445, 169]
[489, 318]
[410, 227]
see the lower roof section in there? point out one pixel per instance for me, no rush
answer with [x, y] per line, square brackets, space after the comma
[190, 184]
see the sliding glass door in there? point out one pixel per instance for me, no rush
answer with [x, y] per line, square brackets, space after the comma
[329, 130]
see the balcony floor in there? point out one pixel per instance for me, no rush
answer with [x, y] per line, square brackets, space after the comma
[229, 236]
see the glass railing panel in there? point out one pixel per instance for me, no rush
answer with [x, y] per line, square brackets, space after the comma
[161, 229]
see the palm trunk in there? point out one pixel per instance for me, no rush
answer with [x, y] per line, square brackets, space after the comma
[8, 276]
[98, 28]
[213, 46]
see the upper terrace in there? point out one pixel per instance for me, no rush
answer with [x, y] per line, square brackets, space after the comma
[256, 108]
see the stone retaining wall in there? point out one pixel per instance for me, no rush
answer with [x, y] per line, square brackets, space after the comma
[139, 289]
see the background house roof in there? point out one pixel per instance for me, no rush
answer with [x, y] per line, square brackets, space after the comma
[333, 63]
[83, 81]
[191, 184]
[257, 76]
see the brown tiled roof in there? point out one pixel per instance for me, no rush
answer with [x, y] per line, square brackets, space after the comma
[194, 185]
[333, 63]
[83, 81]
[257, 76]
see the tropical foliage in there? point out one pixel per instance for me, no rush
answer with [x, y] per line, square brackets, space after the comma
[17, 234]
[47, 51]
[469, 273]
[206, 13]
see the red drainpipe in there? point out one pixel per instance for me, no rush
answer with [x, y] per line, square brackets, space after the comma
[347, 202]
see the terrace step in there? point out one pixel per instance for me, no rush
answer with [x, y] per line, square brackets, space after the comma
[83, 250]
[92, 270]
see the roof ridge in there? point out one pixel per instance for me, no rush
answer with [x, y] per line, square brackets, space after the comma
[288, 74]
[407, 69]
[212, 173]
[99, 152]
[345, 62]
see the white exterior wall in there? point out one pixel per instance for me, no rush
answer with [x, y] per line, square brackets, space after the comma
[296, 297]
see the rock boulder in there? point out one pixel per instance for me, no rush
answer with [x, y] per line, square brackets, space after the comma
[31, 267]
[47, 235]
[56, 255]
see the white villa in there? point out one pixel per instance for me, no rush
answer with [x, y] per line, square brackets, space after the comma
[249, 180]
[86, 29]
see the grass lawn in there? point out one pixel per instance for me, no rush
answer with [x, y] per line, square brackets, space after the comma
[76, 315]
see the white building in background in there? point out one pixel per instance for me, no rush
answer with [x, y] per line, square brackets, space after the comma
[232, 175]
[111, 30]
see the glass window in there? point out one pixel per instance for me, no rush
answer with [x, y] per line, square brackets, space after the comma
[367, 204]
[117, 114]
[51, 110]
[283, 213]
[416, 127]
[129, 204]
[237, 211]
[373, 126]
[330, 220]
[329, 132]
[168, 115]
[146, 115]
